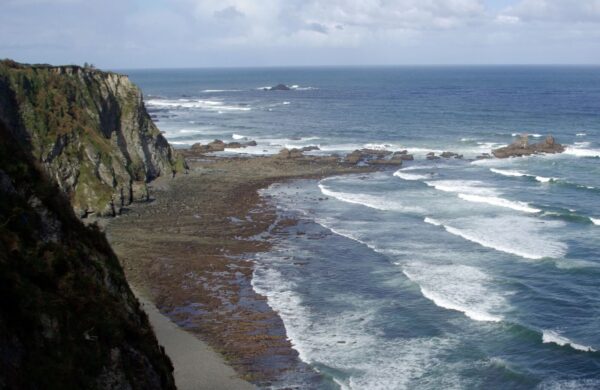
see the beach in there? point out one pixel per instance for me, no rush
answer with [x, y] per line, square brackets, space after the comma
[189, 252]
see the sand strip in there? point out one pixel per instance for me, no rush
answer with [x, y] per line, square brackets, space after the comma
[197, 366]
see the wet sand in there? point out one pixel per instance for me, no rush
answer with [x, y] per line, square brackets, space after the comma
[189, 252]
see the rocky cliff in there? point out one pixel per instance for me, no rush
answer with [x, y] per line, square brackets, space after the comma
[68, 319]
[90, 131]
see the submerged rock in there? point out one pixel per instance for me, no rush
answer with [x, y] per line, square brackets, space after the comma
[521, 147]
[451, 155]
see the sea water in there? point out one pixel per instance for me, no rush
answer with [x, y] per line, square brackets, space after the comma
[442, 274]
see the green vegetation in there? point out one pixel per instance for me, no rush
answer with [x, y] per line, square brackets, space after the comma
[88, 128]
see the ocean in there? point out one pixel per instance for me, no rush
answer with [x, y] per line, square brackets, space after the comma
[444, 274]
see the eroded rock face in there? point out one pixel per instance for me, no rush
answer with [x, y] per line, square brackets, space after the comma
[90, 131]
[67, 316]
[521, 147]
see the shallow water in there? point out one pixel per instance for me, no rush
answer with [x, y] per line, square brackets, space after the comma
[444, 274]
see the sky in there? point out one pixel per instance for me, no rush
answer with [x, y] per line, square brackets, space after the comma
[238, 33]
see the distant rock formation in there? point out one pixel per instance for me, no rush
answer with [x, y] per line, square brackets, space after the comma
[377, 157]
[68, 319]
[521, 147]
[219, 146]
[89, 130]
[278, 87]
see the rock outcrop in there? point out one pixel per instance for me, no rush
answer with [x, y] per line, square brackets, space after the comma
[377, 157]
[68, 319]
[218, 146]
[89, 130]
[278, 87]
[521, 147]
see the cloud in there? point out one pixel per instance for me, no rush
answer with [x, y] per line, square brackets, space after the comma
[585, 11]
[229, 13]
[285, 32]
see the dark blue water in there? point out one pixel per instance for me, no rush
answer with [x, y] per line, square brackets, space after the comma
[444, 274]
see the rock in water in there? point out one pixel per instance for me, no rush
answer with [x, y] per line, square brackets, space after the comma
[89, 130]
[68, 319]
[521, 147]
[278, 87]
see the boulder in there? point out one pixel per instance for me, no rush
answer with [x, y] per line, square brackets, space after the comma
[286, 153]
[451, 155]
[432, 156]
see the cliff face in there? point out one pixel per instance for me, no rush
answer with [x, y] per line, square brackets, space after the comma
[89, 129]
[68, 319]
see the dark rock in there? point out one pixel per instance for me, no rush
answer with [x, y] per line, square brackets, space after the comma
[278, 87]
[68, 318]
[402, 155]
[521, 147]
[432, 156]
[451, 155]
[309, 148]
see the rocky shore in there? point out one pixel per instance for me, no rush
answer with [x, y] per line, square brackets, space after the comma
[521, 147]
[189, 251]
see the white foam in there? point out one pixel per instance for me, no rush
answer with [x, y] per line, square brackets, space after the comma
[479, 192]
[348, 340]
[371, 201]
[580, 134]
[550, 336]
[595, 221]
[472, 187]
[380, 146]
[238, 136]
[582, 152]
[220, 90]
[508, 172]
[500, 202]
[543, 179]
[529, 135]
[458, 287]
[209, 105]
[410, 176]
[521, 236]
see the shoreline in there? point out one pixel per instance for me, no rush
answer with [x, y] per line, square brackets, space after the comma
[185, 351]
[189, 251]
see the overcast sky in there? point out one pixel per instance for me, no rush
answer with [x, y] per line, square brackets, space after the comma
[207, 33]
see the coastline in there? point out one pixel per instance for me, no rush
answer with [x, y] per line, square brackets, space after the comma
[189, 251]
[196, 364]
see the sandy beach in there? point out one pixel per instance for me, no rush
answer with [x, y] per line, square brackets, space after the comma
[189, 252]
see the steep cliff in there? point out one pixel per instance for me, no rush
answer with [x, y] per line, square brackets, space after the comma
[68, 319]
[89, 129]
